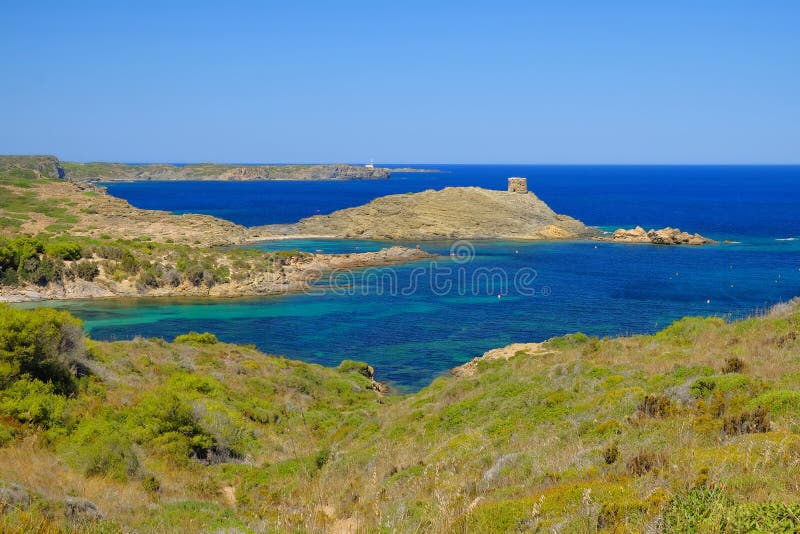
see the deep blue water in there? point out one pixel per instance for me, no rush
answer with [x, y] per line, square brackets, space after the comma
[722, 201]
[415, 321]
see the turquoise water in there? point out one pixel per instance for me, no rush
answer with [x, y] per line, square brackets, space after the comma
[416, 321]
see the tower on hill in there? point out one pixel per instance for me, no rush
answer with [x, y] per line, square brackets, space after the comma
[517, 184]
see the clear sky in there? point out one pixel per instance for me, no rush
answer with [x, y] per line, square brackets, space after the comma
[674, 81]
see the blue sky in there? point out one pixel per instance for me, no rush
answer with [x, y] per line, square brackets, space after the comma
[412, 81]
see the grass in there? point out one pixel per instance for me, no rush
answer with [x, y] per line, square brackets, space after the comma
[597, 435]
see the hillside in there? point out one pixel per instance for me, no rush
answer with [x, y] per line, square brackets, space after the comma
[62, 239]
[695, 428]
[451, 213]
[110, 172]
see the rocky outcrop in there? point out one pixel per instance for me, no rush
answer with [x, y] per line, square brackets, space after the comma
[664, 236]
[503, 353]
[111, 172]
[14, 496]
[451, 213]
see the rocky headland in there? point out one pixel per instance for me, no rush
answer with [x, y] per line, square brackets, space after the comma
[664, 236]
[450, 213]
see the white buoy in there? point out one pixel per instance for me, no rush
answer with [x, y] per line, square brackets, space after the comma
[708, 301]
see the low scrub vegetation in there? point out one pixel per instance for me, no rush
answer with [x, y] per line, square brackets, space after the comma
[647, 433]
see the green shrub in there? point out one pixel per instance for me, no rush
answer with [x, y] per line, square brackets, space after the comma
[7, 435]
[322, 457]
[64, 250]
[129, 263]
[206, 338]
[712, 510]
[101, 447]
[166, 421]
[110, 252]
[86, 270]
[33, 401]
[40, 343]
[779, 401]
[719, 384]
[568, 342]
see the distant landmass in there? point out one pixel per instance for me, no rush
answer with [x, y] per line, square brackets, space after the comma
[52, 167]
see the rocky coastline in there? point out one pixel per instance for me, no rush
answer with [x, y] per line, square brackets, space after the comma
[293, 275]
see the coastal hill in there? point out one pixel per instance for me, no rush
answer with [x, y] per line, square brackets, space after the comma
[52, 167]
[692, 429]
[62, 239]
[450, 213]
[111, 172]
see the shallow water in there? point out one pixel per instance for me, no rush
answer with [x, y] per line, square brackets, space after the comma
[416, 321]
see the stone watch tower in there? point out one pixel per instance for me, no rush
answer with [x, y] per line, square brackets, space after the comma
[517, 185]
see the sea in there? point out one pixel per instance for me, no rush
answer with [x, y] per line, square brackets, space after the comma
[416, 321]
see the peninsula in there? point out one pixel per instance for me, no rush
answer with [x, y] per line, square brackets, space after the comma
[61, 239]
[451, 213]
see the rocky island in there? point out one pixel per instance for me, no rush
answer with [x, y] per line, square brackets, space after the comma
[664, 236]
[451, 213]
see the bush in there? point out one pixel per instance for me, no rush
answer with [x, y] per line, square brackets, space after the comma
[352, 366]
[64, 250]
[733, 365]
[206, 338]
[86, 270]
[100, 447]
[611, 454]
[644, 462]
[778, 401]
[747, 422]
[167, 423]
[34, 402]
[171, 277]
[129, 263]
[712, 510]
[7, 435]
[655, 406]
[110, 252]
[41, 343]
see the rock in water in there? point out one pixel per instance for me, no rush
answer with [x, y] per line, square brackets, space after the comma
[664, 236]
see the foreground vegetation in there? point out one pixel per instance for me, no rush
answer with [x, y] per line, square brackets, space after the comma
[696, 428]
